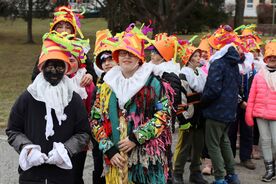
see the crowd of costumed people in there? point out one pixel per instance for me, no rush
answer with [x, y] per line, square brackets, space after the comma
[133, 94]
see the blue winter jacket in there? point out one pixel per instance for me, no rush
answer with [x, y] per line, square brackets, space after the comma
[220, 94]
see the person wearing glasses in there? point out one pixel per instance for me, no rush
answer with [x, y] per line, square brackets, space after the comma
[131, 117]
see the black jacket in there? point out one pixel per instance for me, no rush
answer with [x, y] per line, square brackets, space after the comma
[220, 95]
[27, 125]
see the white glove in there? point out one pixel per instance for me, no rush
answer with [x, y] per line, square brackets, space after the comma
[59, 156]
[31, 156]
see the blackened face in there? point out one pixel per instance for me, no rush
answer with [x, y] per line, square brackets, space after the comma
[53, 71]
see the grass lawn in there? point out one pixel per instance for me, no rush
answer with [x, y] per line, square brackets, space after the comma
[17, 58]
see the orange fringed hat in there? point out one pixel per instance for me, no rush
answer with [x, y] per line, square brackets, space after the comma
[249, 30]
[270, 49]
[204, 46]
[51, 50]
[250, 43]
[66, 14]
[102, 37]
[166, 45]
[186, 50]
[222, 36]
[132, 40]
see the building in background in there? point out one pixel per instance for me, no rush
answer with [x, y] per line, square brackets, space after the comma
[250, 9]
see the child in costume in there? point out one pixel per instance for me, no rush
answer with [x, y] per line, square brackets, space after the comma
[65, 20]
[48, 123]
[219, 101]
[163, 56]
[104, 61]
[131, 116]
[67, 23]
[191, 132]
[261, 105]
[206, 53]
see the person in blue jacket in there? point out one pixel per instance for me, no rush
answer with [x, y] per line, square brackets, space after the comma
[219, 100]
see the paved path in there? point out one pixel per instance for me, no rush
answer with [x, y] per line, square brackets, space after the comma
[9, 164]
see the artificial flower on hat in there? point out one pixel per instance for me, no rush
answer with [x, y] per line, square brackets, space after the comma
[133, 40]
[224, 35]
[66, 14]
[270, 49]
[166, 45]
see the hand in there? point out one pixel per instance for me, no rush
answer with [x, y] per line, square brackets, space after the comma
[118, 161]
[54, 158]
[86, 80]
[36, 158]
[126, 145]
[31, 156]
[59, 156]
[243, 105]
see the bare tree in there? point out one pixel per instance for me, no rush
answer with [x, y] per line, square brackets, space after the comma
[239, 11]
[165, 12]
[30, 22]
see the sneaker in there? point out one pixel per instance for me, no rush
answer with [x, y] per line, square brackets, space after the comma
[220, 181]
[248, 164]
[197, 178]
[178, 179]
[232, 179]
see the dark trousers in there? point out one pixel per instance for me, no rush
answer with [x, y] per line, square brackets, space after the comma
[78, 162]
[192, 139]
[256, 134]
[98, 164]
[246, 136]
[219, 148]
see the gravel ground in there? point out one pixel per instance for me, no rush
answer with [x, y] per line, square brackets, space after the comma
[9, 164]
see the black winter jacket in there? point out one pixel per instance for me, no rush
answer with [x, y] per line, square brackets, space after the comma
[220, 95]
[27, 125]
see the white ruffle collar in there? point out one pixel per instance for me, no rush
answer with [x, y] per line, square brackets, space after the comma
[55, 97]
[170, 67]
[77, 80]
[126, 88]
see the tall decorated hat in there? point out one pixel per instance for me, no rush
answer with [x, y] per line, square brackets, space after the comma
[270, 49]
[204, 46]
[186, 50]
[249, 31]
[63, 44]
[53, 51]
[133, 40]
[222, 36]
[101, 45]
[66, 14]
[250, 43]
[166, 45]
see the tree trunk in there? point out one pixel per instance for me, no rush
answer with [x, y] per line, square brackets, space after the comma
[30, 22]
[239, 11]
